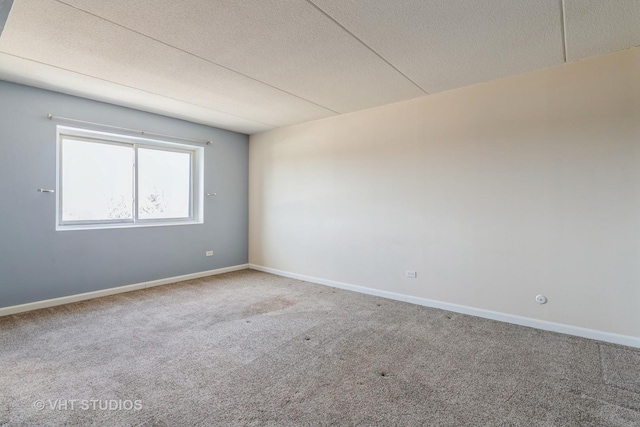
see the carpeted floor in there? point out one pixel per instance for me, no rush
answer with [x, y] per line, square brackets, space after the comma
[250, 348]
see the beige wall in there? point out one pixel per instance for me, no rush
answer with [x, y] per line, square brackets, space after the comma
[492, 193]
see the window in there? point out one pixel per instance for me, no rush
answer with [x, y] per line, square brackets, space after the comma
[108, 180]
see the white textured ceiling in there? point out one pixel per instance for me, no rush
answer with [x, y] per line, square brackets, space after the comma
[598, 27]
[252, 65]
[447, 44]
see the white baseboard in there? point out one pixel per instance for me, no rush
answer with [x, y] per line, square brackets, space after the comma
[5, 311]
[478, 312]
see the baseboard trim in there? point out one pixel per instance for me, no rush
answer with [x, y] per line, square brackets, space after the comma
[609, 337]
[15, 309]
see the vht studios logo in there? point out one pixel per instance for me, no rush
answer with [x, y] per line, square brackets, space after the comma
[88, 405]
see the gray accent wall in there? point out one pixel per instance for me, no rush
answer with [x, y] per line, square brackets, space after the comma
[37, 262]
[5, 8]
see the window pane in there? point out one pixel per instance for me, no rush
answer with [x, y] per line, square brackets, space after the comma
[97, 181]
[164, 184]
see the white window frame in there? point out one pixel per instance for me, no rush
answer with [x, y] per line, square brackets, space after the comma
[197, 178]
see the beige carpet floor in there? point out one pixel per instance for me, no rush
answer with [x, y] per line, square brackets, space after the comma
[250, 348]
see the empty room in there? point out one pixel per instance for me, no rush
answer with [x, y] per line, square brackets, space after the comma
[320, 212]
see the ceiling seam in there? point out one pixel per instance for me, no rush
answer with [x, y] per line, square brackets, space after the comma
[564, 30]
[199, 57]
[366, 45]
[141, 90]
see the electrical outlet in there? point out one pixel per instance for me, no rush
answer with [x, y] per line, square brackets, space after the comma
[412, 274]
[209, 253]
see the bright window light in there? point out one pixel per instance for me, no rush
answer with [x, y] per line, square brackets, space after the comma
[97, 181]
[164, 184]
[107, 180]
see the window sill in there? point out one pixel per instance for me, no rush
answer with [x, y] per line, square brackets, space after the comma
[76, 227]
